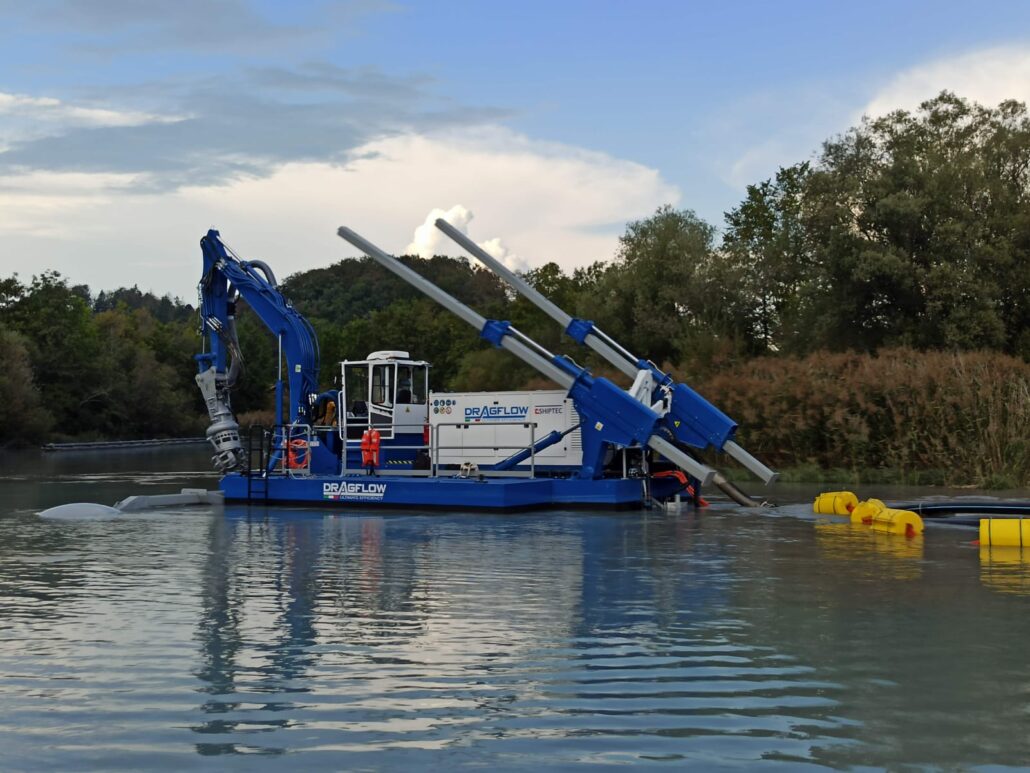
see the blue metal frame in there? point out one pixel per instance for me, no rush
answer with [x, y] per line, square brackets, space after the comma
[222, 271]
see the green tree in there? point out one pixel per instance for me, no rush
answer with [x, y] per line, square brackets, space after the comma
[64, 347]
[669, 295]
[767, 259]
[910, 229]
[22, 416]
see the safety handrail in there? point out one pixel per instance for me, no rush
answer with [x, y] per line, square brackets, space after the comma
[345, 441]
[530, 425]
[292, 445]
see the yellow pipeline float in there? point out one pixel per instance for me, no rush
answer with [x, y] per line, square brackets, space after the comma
[865, 511]
[1005, 532]
[835, 503]
[901, 522]
[872, 512]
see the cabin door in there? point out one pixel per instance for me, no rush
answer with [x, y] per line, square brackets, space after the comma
[382, 398]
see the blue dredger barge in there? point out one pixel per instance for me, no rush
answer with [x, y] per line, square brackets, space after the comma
[380, 437]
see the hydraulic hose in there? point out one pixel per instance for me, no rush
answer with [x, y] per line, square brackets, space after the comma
[734, 493]
[265, 269]
[235, 355]
[722, 483]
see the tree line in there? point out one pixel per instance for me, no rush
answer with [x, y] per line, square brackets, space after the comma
[909, 230]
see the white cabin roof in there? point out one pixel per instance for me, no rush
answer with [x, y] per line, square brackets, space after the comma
[389, 354]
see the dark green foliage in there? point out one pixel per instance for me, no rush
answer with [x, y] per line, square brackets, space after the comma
[114, 373]
[164, 309]
[65, 349]
[141, 396]
[255, 389]
[22, 415]
[352, 289]
[911, 229]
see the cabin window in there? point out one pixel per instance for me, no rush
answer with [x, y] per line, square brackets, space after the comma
[382, 384]
[411, 384]
[419, 384]
[356, 378]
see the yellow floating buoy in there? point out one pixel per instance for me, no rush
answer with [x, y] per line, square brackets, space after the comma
[1005, 532]
[864, 512]
[897, 522]
[835, 503]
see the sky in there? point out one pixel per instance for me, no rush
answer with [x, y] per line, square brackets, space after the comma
[129, 128]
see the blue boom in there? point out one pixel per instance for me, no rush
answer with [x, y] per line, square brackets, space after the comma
[610, 416]
[225, 279]
[685, 416]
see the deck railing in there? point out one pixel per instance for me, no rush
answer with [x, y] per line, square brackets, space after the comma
[286, 449]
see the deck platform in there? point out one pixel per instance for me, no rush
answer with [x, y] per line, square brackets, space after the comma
[448, 493]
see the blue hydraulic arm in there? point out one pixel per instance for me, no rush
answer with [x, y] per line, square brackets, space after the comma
[685, 415]
[547, 441]
[226, 278]
[609, 414]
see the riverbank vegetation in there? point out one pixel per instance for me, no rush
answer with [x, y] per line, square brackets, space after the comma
[867, 309]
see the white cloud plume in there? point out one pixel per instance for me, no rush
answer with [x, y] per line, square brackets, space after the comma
[430, 240]
[988, 76]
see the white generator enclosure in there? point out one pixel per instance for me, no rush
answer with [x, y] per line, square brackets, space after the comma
[488, 427]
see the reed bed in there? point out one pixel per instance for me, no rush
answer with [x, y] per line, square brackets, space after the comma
[964, 416]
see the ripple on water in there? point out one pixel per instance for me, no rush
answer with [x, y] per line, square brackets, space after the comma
[222, 641]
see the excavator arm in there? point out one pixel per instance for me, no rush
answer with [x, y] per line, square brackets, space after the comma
[225, 279]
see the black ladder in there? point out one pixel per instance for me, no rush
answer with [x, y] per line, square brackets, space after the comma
[258, 440]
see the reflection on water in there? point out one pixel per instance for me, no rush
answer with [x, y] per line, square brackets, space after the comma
[254, 637]
[1005, 569]
[897, 557]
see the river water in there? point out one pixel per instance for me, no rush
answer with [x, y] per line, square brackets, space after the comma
[304, 640]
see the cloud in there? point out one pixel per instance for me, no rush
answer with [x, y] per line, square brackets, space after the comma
[55, 111]
[228, 126]
[547, 201]
[811, 114]
[24, 118]
[322, 77]
[430, 240]
[36, 204]
[208, 26]
[988, 76]
[794, 122]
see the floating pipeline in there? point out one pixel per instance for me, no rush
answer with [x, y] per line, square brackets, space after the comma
[968, 512]
[955, 512]
[863, 512]
[872, 512]
[835, 503]
[900, 522]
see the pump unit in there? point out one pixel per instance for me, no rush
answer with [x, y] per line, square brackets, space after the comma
[489, 427]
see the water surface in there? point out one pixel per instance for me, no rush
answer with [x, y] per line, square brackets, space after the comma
[291, 639]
